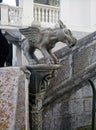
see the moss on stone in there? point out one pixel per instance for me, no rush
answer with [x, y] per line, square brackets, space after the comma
[84, 128]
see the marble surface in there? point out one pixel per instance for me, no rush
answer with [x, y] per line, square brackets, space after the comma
[12, 99]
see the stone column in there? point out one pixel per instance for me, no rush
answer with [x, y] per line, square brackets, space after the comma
[17, 56]
[41, 74]
[14, 59]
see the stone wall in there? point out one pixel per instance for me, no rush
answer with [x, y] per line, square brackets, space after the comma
[67, 104]
[68, 100]
[69, 112]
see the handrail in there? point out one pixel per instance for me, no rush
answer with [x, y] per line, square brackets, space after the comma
[47, 6]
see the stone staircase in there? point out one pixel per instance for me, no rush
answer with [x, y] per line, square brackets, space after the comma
[68, 100]
[78, 65]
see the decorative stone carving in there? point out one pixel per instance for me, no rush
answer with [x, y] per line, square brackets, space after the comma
[42, 39]
[45, 40]
[40, 78]
[41, 74]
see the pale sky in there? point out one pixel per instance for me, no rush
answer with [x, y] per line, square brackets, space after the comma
[10, 2]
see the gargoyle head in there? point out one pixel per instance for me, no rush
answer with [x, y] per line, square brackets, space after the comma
[67, 36]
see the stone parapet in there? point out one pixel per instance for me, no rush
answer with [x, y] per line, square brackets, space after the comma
[68, 100]
[78, 65]
[13, 99]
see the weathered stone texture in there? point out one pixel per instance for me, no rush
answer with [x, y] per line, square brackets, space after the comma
[12, 99]
[64, 72]
[78, 64]
[69, 113]
[84, 57]
[70, 95]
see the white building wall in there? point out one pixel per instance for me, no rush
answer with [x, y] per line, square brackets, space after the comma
[78, 14]
[27, 19]
[21, 3]
[93, 14]
[27, 12]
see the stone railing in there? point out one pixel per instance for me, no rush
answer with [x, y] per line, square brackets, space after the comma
[46, 14]
[78, 65]
[68, 100]
[10, 15]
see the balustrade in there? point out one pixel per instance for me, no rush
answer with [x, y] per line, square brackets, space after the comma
[46, 13]
[10, 15]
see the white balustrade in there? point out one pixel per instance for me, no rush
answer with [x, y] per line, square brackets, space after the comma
[10, 15]
[46, 14]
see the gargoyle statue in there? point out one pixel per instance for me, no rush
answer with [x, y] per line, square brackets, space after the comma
[45, 40]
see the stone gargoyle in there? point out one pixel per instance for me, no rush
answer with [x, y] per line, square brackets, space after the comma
[45, 40]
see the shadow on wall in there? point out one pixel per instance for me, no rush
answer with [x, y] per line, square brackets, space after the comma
[5, 51]
[48, 2]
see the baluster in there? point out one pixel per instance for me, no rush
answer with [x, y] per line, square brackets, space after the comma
[42, 14]
[49, 15]
[46, 15]
[39, 16]
[36, 13]
[53, 16]
[56, 15]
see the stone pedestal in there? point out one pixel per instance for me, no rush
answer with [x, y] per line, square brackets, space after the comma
[41, 75]
[13, 99]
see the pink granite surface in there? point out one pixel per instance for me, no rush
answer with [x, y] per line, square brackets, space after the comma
[12, 99]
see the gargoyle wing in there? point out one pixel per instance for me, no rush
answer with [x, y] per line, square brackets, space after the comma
[31, 33]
